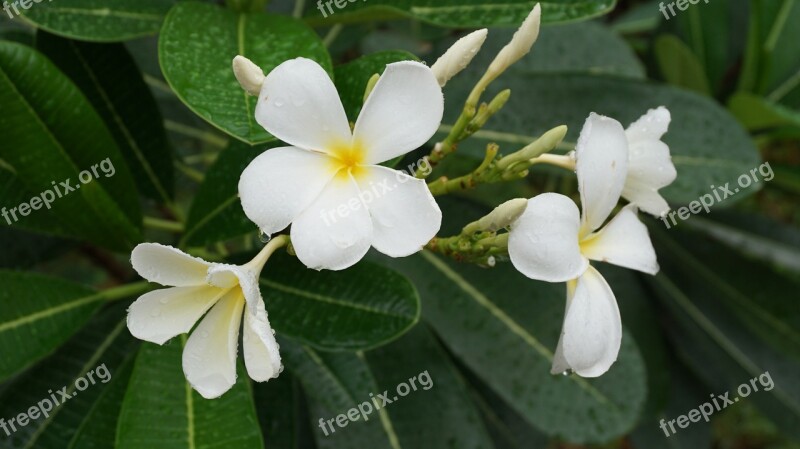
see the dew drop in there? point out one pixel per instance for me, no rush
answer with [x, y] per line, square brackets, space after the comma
[155, 313]
[264, 237]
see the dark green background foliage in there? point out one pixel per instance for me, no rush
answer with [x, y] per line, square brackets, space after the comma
[147, 84]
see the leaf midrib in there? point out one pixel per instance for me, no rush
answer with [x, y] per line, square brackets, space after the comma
[330, 300]
[4, 327]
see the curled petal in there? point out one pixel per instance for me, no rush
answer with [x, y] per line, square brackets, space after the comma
[602, 166]
[282, 182]
[403, 111]
[209, 358]
[592, 332]
[543, 242]
[335, 232]
[168, 266]
[261, 353]
[162, 314]
[300, 105]
[624, 241]
[227, 276]
[404, 214]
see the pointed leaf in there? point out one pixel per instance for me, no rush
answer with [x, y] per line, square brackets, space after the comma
[109, 78]
[52, 135]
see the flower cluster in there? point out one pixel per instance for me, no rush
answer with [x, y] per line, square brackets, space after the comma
[330, 165]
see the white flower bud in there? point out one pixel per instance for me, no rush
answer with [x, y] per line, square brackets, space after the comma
[249, 75]
[458, 56]
[501, 217]
[520, 44]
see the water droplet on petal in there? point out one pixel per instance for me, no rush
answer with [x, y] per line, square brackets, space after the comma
[264, 237]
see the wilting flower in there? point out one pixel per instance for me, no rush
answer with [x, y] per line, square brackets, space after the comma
[197, 286]
[650, 166]
[328, 184]
[552, 241]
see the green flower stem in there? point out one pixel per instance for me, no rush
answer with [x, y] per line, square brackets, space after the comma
[479, 248]
[472, 119]
[487, 173]
[163, 225]
[127, 291]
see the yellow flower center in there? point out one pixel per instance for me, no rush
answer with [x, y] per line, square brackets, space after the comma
[348, 159]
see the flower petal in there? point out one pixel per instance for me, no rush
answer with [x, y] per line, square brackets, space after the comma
[602, 165]
[282, 182]
[650, 168]
[651, 126]
[162, 314]
[403, 111]
[300, 105]
[646, 198]
[592, 332]
[624, 241]
[404, 214]
[261, 352]
[168, 266]
[335, 232]
[209, 358]
[543, 242]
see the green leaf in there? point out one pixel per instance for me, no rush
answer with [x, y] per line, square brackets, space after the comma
[351, 78]
[507, 428]
[756, 237]
[505, 327]
[752, 291]
[109, 78]
[83, 367]
[22, 250]
[713, 32]
[38, 314]
[51, 134]
[197, 65]
[759, 114]
[160, 406]
[685, 393]
[278, 403]
[99, 20]
[339, 382]
[679, 66]
[460, 13]
[363, 307]
[216, 213]
[725, 355]
[99, 427]
[772, 63]
[708, 146]
[637, 307]
[13, 192]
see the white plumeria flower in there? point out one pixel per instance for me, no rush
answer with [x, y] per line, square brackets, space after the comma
[209, 358]
[552, 241]
[329, 184]
[650, 165]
